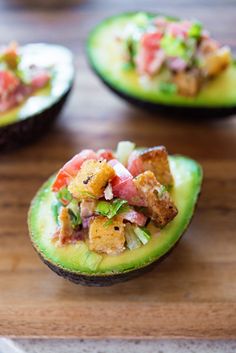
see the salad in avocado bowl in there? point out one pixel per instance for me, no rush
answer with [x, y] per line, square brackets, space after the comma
[164, 63]
[35, 81]
[107, 216]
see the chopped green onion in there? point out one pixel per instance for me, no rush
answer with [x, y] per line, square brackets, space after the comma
[74, 212]
[64, 196]
[23, 75]
[131, 46]
[108, 223]
[143, 234]
[178, 47]
[124, 148]
[75, 219]
[93, 260]
[168, 87]
[141, 19]
[196, 30]
[103, 208]
[132, 241]
[55, 211]
[173, 46]
[110, 209]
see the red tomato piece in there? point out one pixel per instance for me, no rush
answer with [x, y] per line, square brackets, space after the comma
[123, 185]
[71, 168]
[105, 154]
[8, 82]
[150, 57]
[135, 164]
[151, 40]
[144, 60]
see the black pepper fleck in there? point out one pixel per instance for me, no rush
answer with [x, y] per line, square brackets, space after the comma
[87, 180]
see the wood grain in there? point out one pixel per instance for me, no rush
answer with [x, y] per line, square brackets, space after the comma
[193, 292]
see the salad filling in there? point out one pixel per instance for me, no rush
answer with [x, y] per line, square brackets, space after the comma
[17, 83]
[111, 200]
[181, 54]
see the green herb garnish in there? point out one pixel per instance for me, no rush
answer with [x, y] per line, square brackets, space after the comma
[143, 234]
[168, 87]
[196, 30]
[64, 196]
[74, 212]
[178, 47]
[110, 209]
[55, 211]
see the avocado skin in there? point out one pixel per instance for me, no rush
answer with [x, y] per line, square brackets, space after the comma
[28, 130]
[174, 111]
[103, 281]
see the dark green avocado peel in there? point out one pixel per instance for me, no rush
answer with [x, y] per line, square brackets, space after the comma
[26, 122]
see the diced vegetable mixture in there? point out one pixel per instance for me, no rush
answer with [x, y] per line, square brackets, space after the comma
[17, 83]
[181, 53]
[109, 199]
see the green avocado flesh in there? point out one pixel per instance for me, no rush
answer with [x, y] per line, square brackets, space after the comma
[105, 56]
[54, 57]
[76, 258]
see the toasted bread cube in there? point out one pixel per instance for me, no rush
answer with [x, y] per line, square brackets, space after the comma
[107, 236]
[156, 160]
[91, 180]
[161, 208]
[65, 231]
[188, 82]
[217, 61]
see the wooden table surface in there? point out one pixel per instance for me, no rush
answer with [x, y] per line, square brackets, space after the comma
[193, 292]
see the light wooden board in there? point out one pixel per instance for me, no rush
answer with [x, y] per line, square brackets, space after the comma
[193, 292]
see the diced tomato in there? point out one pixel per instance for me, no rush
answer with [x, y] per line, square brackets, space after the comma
[8, 82]
[150, 57]
[144, 59]
[40, 79]
[105, 154]
[135, 217]
[71, 168]
[123, 185]
[135, 164]
[151, 40]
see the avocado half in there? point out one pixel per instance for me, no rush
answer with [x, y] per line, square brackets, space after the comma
[216, 99]
[24, 123]
[75, 261]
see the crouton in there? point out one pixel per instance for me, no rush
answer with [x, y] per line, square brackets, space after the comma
[188, 82]
[161, 208]
[91, 180]
[216, 62]
[66, 231]
[156, 160]
[107, 236]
